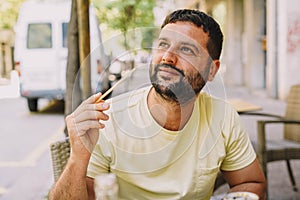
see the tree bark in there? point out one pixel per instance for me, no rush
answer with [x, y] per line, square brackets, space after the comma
[84, 46]
[73, 92]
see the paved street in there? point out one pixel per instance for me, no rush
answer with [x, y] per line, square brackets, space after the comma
[25, 163]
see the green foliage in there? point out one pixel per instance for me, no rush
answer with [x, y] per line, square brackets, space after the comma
[9, 10]
[148, 35]
[126, 15]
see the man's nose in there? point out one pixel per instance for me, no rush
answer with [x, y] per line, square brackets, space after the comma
[169, 57]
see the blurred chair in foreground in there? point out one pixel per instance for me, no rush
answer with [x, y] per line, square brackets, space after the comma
[288, 147]
[60, 153]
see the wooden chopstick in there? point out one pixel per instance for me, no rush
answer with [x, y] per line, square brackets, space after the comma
[127, 74]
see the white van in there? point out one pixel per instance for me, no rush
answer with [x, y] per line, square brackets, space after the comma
[41, 50]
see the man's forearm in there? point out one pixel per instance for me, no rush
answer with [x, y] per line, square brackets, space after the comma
[72, 183]
[256, 188]
[247, 179]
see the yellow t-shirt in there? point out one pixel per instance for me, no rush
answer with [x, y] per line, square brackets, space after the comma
[154, 163]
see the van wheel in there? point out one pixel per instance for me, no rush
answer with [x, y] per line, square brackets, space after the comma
[32, 105]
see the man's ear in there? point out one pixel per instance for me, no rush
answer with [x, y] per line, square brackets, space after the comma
[214, 67]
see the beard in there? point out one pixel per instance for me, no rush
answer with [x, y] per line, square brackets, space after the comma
[182, 90]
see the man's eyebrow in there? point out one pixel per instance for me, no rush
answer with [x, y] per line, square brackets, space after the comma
[163, 38]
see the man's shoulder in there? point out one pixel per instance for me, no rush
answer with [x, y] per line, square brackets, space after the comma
[204, 97]
[215, 104]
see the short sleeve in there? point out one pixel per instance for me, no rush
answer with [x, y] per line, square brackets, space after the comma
[239, 150]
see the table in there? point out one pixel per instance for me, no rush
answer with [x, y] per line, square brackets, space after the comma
[243, 106]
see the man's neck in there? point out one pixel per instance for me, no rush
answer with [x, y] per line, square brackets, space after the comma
[170, 115]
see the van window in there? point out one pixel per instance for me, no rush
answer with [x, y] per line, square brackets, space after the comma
[64, 34]
[39, 35]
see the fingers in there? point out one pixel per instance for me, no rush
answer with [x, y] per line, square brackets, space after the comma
[87, 106]
[93, 98]
[83, 127]
[84, 124]
[90, 111]
[87, 111]
[89, 114]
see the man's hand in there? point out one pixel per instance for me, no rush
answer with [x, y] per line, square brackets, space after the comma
[83, 127]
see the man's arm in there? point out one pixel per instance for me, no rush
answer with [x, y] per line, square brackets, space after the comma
[248, 179]
[72, 183]
[83, 128]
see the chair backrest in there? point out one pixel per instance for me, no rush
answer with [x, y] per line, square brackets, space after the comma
[292, 131]
[60, 153]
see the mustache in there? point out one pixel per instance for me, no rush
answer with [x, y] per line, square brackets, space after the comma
[157, 66]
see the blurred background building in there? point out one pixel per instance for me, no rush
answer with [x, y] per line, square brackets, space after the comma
[262, 42]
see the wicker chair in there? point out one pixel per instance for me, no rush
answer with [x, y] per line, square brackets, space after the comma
[60, 152]
[288, 148]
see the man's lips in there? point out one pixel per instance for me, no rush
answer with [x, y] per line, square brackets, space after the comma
[168, 72]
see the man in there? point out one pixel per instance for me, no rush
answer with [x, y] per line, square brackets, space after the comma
[167, 141]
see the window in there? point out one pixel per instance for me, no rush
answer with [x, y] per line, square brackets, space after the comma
[39, 36]
[64, 34]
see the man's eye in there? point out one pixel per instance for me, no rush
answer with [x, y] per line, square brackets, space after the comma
[163, 45]
[187, 50]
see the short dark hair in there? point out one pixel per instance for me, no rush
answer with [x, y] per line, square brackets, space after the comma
[207, 23]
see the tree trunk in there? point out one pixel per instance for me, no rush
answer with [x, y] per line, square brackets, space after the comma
[73, 91]
[84, 46]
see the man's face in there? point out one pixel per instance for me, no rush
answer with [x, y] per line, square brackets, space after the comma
[181, 65]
